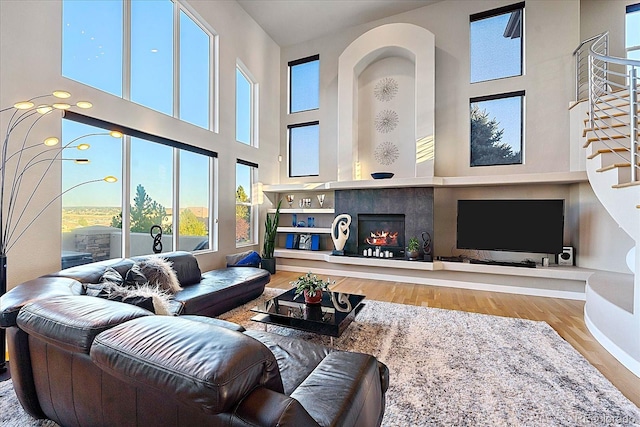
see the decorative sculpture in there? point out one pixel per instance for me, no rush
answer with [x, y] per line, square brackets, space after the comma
[427, 246]
[340, 232]
[342, 300]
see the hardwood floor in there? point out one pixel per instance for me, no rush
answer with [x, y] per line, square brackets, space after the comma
[565, 316]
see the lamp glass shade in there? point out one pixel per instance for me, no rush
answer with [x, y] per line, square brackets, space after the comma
[115, 134]
[81, 161]
[84, 104]
[110, 178]
[83, 146]
[44, 109]
[61, 106]
[23, 105]
[62, 94]
[51, 141]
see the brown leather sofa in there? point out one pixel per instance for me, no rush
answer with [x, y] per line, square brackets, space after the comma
[86, 361]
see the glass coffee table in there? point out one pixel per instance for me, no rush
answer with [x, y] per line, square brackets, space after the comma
[331, 317]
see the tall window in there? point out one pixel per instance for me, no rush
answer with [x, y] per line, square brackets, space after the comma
[496, 43]
[92, 221]
[632, 31]
[152, 54]
[304, 84]
[92, 43]
[151, 194]
[245, 107]
[195, 72]
[93, 53]
[304, 149]
[496, 129]
[245, 221]
[194, 201]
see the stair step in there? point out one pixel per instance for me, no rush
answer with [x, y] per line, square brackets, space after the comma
[614, 166]
[603, 126]
[626, 184]
[607, 150]
[604, 138]
[608, 116]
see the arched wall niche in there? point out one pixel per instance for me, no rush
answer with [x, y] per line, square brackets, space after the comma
[407, 41]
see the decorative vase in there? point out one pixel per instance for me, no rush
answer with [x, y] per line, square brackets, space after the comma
[312, 299]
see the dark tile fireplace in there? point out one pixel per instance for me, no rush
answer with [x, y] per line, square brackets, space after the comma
[413, 206]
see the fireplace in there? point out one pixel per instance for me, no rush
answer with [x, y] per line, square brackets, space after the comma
[411, 206]
[382, 231]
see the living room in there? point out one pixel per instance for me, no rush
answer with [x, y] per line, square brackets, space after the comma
[553, 165]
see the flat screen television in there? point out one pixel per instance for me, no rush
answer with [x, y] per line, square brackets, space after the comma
[511, 225]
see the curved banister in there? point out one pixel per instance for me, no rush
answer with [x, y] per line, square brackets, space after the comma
[613, 94]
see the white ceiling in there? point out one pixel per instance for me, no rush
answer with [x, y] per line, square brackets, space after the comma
[289, 22]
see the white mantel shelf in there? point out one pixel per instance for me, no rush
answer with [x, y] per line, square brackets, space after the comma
[551, 272]
[450, 181]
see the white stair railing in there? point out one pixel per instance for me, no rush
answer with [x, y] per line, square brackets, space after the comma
[613, 102]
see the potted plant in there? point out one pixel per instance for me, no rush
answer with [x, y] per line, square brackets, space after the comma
[413, 248]
[269, 245]
[311, 287]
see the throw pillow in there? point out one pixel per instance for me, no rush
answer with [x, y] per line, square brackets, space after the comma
[158, 271]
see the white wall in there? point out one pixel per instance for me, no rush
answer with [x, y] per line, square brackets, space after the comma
[30, 54]
[552, 31]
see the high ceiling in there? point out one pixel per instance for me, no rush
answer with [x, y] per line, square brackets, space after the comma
[289, 22]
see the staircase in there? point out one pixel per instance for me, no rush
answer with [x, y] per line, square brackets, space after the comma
[611, 140]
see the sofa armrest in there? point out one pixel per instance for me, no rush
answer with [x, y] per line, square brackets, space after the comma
[33, 290]
[345, 389]
[264, 407]
[201, 365]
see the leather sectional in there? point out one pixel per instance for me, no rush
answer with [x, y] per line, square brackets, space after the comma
[86, 361]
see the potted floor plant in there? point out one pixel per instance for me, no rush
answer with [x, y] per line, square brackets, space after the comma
[311, 286]
[270, 233]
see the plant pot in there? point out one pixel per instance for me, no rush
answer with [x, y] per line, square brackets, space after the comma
[312, 299]
[269, 264]
[413, 255]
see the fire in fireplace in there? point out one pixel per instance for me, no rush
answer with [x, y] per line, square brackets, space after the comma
[385, 231]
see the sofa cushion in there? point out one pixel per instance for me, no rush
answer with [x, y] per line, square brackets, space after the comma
[184, 264]
[222, 290]
[72, 322]
[210, 367]
[296, 358]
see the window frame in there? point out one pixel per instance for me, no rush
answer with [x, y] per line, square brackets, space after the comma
[177, 7]
[632, 8]
[290, 157]
[254, 105]
[253, 205]
[514, 94]
[125, 182]
[294, 63]
[492, 14]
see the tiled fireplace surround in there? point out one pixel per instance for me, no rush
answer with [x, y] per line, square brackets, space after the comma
[416, 204]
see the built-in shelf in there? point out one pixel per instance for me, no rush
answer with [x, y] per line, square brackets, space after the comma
[304, 230]
[572, 177]
[551, 272]
[304, 211]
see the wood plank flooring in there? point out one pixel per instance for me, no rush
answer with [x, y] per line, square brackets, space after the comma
[565, 316]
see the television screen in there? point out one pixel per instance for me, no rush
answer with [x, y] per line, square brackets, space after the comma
[511, 225]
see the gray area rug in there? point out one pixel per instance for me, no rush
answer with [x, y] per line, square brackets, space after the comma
[451, 368]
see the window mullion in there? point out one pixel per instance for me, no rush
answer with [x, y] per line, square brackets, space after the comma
[176, 60]
[126, 196]
[126, 50]
[175, 220]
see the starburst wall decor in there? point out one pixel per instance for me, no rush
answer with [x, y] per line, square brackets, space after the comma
[386, 153]
[386, 121]
[386, 89]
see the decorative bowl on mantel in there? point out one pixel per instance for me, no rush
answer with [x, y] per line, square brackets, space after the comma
[381, 175]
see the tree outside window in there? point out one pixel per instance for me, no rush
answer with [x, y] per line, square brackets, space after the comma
[496, 130]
